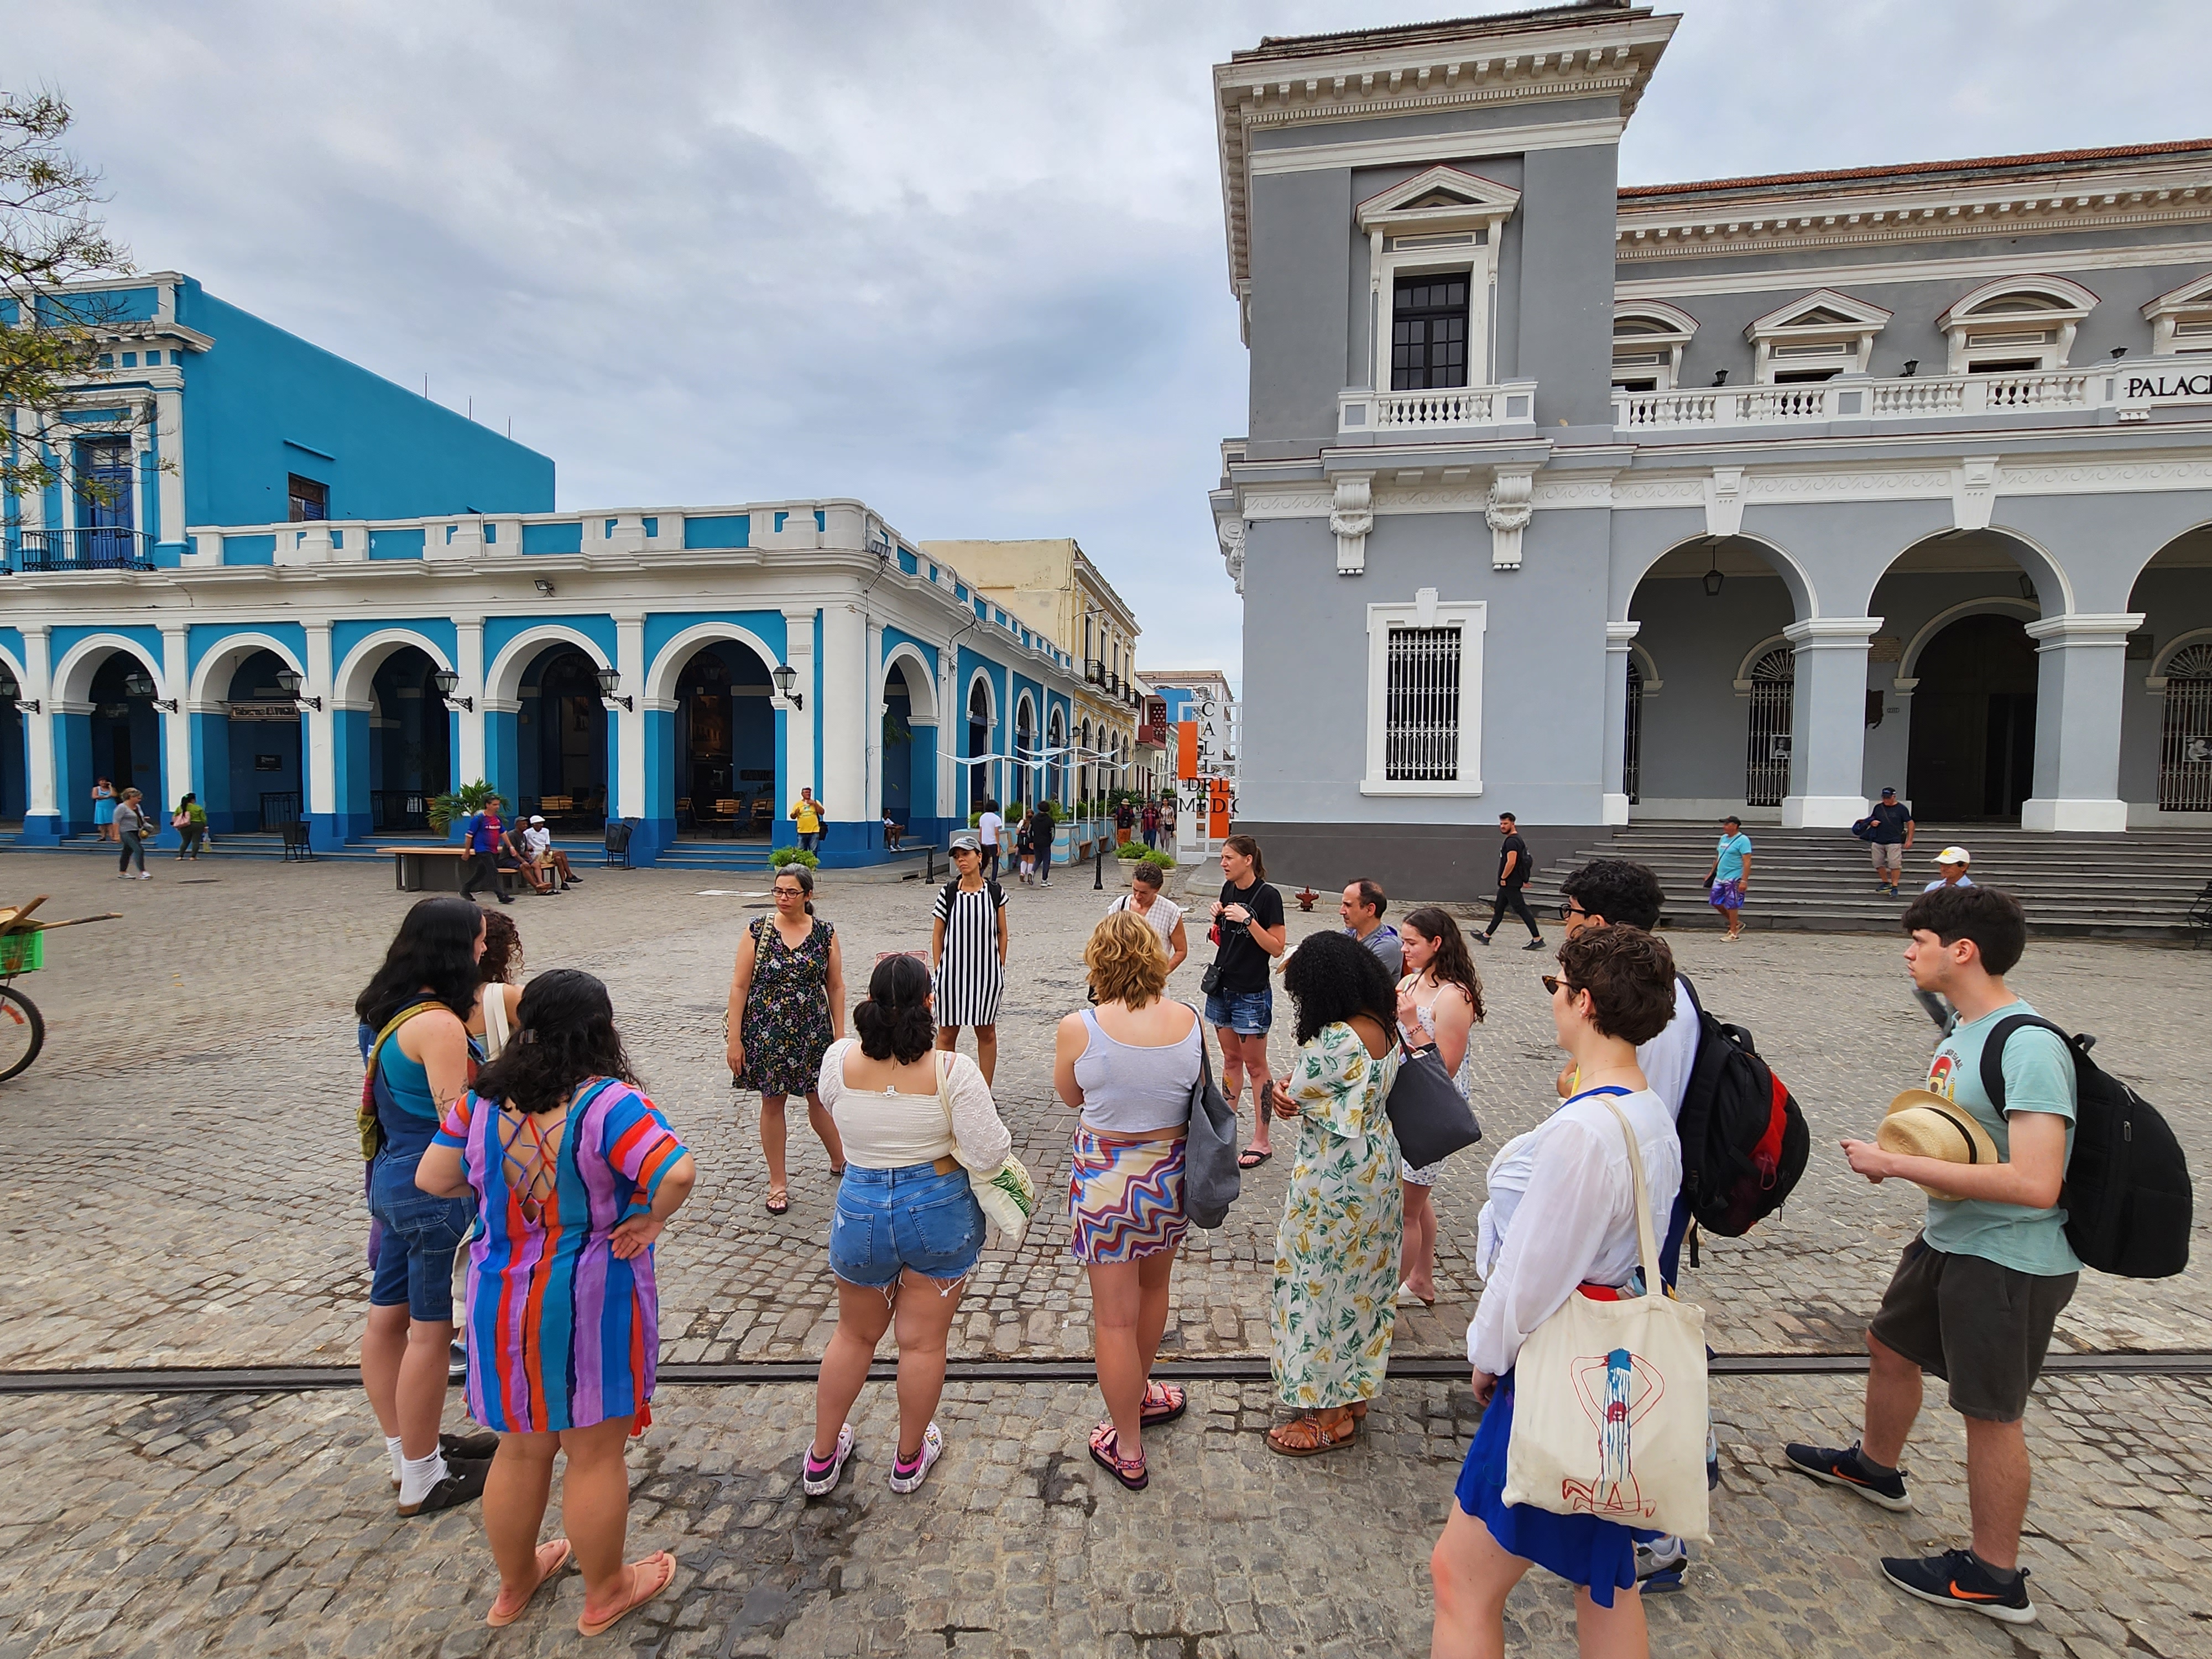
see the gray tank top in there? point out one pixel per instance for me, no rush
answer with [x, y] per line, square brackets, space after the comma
[1129, 1090]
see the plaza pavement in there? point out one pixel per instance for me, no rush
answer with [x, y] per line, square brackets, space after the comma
[184, 1190]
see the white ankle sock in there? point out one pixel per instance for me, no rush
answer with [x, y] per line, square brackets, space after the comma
[391, 1445]
[418, 1474]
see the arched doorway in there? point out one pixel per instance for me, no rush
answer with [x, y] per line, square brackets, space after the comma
[1024, 789]
[410, 741]
[1632, 751]
[2166, 727]
[561, 741]
[908, 782]
[1055, 771]
[15, 760]
[725, 733]
[2184, 748]
[257, 785]
[979, 743]
[1083, 764]
[1773, 679]
[126, 731]
[1973, 747]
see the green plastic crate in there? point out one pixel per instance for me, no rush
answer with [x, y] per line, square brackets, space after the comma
[22, 953]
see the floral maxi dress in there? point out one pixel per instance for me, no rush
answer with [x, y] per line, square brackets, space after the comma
[1336, 1252]
[787, 1029]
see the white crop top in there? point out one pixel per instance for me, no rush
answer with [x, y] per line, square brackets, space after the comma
[889, 1129]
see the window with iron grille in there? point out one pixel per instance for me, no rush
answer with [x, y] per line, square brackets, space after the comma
[1421, 719]
[1428, 332]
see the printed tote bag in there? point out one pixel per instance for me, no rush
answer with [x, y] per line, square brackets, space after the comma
[1609, 1402]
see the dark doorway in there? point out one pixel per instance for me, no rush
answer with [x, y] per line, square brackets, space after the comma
[1972, 751]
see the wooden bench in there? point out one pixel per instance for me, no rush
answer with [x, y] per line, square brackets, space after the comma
[438, 869]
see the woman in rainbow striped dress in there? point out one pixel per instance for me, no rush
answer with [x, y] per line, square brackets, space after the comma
[575, 1173]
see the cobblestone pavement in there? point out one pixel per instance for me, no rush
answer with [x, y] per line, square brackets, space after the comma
[262, 1526]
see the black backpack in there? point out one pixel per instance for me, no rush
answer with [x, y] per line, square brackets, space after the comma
[1744, 1140]
[2127, 1194]
[953, 886]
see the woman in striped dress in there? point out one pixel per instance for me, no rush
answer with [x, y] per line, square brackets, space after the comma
[575, 1173]
[967, 954]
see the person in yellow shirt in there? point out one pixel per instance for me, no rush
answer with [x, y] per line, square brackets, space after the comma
[809, 814]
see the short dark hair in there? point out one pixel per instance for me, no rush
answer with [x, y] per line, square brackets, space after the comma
[1988, 916]
[1331, 977]
[1732, 818]
[1630, 975]
[1619, 890]
[1371, 897]
[1507, 817]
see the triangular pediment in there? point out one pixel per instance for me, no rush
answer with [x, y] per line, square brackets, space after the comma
[2195, 296]
[1822, 311]
[1441, 198]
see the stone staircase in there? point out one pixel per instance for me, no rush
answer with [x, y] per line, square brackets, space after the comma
[2142, 883]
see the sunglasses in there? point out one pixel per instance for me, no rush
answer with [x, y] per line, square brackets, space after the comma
[1569, 910]
[1554, 983]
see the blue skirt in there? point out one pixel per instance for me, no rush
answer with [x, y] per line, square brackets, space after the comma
[103, 811]
[1580, 1548]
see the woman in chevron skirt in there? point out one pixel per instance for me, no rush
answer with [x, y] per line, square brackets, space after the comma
[1127, 1064]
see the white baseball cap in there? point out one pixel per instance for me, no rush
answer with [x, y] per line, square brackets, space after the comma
[1954, 855]
[535, 818]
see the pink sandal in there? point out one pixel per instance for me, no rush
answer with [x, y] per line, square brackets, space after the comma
[1164, 1403]
[1106, 1453]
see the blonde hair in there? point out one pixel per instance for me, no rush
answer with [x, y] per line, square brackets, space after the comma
[1126, 961]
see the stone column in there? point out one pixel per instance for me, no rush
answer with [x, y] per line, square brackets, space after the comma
[176, 726]
[799, 721]
[2079, 692]
[628, 758]
[844, 764]
[469, 664]
[1827, 730]
[169, 486]
[951, 723]
[320, 732]
[871, 731]
[41, 809]
[1613, 804]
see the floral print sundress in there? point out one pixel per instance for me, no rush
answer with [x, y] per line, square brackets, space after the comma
[787, 1028]
[1336, 1252]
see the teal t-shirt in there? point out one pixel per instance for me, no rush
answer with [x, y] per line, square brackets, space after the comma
[2039, 1077]
[1729, 857]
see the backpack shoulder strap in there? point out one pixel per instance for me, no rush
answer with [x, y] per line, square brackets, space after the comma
[397, 1021]
[1993, 1053]
[1696, 1007]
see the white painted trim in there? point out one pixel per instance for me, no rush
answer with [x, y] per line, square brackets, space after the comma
[233, 649]
[2049, 815]
[1781, 280]
[2173, 647]
[1743, 677]
[921, 685]
[350, 685]
[668, 667]
[1471, 617]
[1994, 605]
[503, 683]
[968, 700]
[81, 661]
[1418, 148]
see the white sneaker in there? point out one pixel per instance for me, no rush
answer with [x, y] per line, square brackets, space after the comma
[814, 1485]
[932, 1448]
[145, 875]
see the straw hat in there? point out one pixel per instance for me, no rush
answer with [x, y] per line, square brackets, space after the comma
[1921, 1123]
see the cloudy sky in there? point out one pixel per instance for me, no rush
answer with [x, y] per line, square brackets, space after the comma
[963, 260]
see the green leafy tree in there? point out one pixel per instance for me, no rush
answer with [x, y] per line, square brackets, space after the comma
[447, 810]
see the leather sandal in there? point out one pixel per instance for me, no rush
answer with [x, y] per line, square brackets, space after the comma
[1311, 1433]
[1164, 1403]
[1106, 1453]
[779, 1200]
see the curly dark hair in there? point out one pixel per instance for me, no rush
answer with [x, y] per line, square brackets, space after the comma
[1331, 977]
[433, 953]
[1452, 965]
[1630, 975]
[896, 1021]
[502, 957]
[564, 1034]
[1619, 890]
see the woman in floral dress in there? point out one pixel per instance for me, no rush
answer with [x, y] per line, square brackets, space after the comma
[1336, 1252]
[786, 1007]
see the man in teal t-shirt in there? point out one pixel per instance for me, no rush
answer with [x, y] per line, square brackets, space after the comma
[1975, 1296]
[1730, 874]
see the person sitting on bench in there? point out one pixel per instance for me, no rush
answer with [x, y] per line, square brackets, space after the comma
[537, 843]
[512, 855]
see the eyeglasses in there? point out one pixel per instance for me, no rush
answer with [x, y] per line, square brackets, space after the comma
[790, 892]
[1569, 910]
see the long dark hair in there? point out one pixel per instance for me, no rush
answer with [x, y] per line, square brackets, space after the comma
[896, 1021]
[433, 951]
[564, 1034]
[1331, 977]
[1245, 847]
[1451, 964]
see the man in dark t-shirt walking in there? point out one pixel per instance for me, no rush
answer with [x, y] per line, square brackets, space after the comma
[1513, 874]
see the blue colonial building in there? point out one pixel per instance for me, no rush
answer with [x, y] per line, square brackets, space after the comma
[323, 598]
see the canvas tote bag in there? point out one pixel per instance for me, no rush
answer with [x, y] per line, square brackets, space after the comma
[1609, 1402]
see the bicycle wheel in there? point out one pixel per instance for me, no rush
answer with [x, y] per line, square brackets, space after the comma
[22, 1032]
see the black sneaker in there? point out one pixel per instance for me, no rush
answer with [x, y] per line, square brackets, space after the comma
[1481, 937]
[1534, 945]
[464, 1484]
[1958, 1578]
[1847, 1469]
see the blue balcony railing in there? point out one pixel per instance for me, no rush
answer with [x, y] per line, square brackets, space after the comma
[101, 548]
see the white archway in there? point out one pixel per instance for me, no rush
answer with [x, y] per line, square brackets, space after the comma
[990, 699]
[73, 675]
[660, 679]
[921, 682]
[1772, 642]
[503, 684]
[1795, 576]
[357, 674]
[15, 667]
[1994, 605]
[222, 659]
[1647, 666]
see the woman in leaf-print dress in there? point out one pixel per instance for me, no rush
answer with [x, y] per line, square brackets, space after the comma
[1336, 1252]
[786, 1007]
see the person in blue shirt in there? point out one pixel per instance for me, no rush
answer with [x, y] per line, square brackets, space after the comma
[481, 835]
[1888, 829]
[1730, 874]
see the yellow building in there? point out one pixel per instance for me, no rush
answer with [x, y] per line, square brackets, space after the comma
[1053, 587]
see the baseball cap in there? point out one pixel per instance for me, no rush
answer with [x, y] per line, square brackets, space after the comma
[1954, 855]
[536, 818]
[1888, 790]
[969, 839]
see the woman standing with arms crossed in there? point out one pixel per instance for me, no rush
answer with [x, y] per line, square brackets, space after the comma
[578, 1173]
[908, 1228]
[967, 954]
[1239, 1005]
[1336, 1252]
[1439, 1002]
[1128, 1065]
[1164, 915]
[786, 1007]
[415, 1043]
[103, 808]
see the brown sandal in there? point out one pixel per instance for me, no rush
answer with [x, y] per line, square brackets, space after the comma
[1311, 1433]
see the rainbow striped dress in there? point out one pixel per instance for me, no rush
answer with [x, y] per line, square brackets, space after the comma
[561, 1334]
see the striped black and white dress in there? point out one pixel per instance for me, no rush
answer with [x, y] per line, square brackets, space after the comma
[969, 975]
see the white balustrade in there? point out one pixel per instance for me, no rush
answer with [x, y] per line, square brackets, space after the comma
[1933, 397]
[1513, 403]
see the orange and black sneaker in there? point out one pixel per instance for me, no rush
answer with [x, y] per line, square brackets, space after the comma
[1848, 1468]
[1960, 1578]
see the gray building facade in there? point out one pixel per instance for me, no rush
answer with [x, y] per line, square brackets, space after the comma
[1752, 496]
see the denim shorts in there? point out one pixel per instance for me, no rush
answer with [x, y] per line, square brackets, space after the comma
[1247, 1014]
[415, 1238]
[910, 1218]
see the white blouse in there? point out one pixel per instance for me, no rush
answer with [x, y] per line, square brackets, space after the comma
[889, 1129]
[1576, 1223]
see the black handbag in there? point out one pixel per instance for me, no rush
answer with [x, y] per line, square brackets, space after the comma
[1212, 1180]
[1430, 1116]
[1209, 982]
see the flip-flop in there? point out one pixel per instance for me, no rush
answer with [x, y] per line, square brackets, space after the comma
[774, 1208]
[1252, 1157]
[1164, 1403]
[660, 1559]
[559, 1552]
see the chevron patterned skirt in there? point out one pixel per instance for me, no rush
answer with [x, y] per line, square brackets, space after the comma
[1125, 1198]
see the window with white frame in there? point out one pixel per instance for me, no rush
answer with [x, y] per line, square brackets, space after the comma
[1647, 346]
[1433, 260]
[1823, 335]
[2018, 324]
[1424, 697]
[2181, 320]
